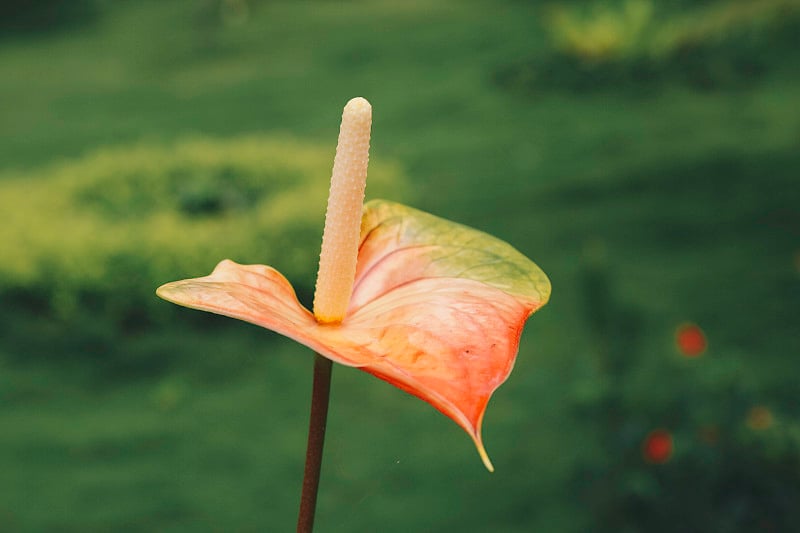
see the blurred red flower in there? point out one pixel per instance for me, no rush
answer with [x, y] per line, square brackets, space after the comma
[658, 446]
[690, 340]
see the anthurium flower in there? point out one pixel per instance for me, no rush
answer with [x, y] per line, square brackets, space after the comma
[432, 307]
[437, 308]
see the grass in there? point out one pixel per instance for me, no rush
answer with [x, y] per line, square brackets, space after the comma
[689, 198]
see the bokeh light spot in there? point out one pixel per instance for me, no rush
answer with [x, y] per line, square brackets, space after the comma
[759, 418]
[690, 340]
[658, 446]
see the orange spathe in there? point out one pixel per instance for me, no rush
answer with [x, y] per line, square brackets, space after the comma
[437, 309]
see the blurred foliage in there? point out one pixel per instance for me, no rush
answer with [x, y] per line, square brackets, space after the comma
[601, 31]
[35, 16]
[639, 43]
[737, 464]
[96, 235]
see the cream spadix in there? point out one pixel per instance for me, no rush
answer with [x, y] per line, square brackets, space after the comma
[342, 234]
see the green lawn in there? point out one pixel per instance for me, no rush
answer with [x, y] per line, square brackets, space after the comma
[646, 209]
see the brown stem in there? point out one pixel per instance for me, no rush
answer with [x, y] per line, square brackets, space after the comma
[320, 394]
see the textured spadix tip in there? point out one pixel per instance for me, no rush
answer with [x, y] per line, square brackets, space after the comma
[358, 105]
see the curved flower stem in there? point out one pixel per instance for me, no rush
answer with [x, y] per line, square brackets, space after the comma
[320, 394]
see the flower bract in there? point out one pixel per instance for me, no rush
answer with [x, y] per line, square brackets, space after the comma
[437, 308]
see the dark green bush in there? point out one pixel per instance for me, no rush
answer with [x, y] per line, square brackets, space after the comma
[734, 459]
[28, 16]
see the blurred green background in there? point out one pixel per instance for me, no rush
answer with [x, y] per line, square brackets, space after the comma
[645, 153]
